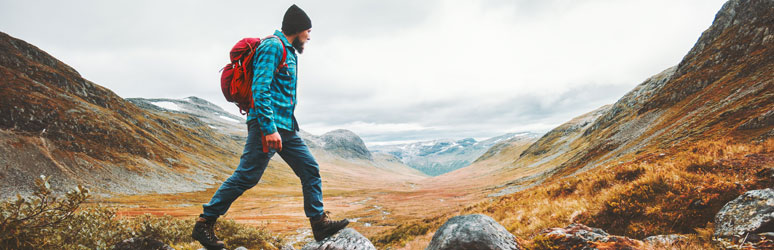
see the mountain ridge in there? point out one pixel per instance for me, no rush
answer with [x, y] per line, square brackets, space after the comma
[437, 157]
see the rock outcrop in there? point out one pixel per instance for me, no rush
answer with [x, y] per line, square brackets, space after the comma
[747, 219]
[346, 239]
[472, 232]
[578, 236]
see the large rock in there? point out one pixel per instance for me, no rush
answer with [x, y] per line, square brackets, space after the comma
[752, 212]
[578, 236]
[473, 232]
[346, 239]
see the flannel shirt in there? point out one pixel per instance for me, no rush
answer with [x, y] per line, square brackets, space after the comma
[274, 92]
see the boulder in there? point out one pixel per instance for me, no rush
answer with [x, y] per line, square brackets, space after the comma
[346, 239]
[142, 243]
[474, 232]
[747, 221]
[752, 212]
[578, 236]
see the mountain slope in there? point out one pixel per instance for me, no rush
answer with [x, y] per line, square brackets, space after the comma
[668, 154]
[662, 160]
[722, 88]
[56, 123]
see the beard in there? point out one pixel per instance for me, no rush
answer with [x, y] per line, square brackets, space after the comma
[298, 45]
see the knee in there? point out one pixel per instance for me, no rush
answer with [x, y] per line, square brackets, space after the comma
[243, 180]
[311, 181]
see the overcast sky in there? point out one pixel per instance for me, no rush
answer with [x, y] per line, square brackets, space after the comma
[391, 71]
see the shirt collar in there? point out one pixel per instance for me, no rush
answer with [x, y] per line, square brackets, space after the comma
[284, 40]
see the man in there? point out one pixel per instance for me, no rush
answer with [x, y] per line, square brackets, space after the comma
[272, 129]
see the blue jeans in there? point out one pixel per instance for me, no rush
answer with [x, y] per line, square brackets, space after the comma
[253, 163]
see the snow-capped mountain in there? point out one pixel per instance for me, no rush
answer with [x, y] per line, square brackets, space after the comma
[437, 157]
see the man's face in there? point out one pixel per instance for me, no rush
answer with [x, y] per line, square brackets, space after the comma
[300, 41]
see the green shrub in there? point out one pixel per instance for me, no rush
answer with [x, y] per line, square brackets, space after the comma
[45, 221]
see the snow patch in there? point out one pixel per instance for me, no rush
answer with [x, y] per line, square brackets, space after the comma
[168, 105]
[229, 119]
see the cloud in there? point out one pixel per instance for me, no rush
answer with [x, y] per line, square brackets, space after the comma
[388, 70]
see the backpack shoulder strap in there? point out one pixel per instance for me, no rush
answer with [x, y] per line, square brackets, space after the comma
[284, 53]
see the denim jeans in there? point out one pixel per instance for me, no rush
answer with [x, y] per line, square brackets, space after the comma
[253, 163]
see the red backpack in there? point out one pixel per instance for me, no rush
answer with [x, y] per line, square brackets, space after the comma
[236, 79]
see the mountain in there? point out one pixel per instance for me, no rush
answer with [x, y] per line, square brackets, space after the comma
[54, 122]
[340, 142]
[335, 145]
[661, 160]
[667, 155]
[215, 117]
[442, 156]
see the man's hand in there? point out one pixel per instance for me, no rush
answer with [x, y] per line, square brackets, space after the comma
[274, 141]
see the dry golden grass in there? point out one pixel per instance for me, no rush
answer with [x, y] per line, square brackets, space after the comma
[677, 190]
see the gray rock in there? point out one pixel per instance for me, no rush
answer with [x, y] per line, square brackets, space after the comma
[579, 236]
[669, 239]
[752, 212]
[346, 239]
[473, 232]
[287, 247]
[142, 243]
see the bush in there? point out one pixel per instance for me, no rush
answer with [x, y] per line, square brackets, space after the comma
[44, 221]
[31, 223]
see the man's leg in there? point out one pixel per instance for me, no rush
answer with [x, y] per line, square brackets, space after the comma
[251, 167]
[297, 155]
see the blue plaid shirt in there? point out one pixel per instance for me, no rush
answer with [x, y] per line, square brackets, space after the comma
[274, 92]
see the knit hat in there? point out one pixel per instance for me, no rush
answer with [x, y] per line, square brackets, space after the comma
[295, 21]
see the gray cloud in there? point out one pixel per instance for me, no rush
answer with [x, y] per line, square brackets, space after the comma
[388, 70]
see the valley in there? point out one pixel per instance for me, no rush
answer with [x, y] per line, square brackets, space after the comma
[662, 160]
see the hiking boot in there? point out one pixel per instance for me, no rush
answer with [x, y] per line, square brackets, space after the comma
[203, 232]
[324, 227]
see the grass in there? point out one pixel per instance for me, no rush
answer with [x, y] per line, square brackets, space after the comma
[673, 191]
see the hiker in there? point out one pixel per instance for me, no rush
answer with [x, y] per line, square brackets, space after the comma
[271, 128]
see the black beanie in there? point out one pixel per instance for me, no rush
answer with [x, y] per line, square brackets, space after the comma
[295, 21]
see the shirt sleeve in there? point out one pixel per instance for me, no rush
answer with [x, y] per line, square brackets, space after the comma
[266, 60]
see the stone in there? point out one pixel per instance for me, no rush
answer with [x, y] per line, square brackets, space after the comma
[346, 239]
[579, 236]
[667, 240]
[750, 213]
[142, 243]
[473, 232]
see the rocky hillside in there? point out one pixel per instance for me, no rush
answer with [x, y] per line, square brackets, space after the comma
[341, 142]
[215, 117]
[54, 122]
[442, 156]
[664, 159]
[722, 88]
